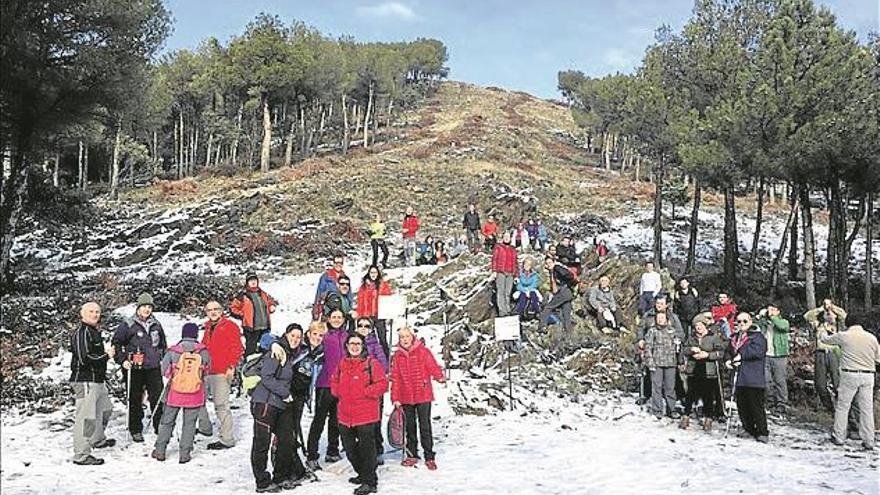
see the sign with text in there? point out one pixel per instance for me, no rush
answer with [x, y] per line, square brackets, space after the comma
[391, 307]
[507, 328]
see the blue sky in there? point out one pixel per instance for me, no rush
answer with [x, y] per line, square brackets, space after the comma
[512, 44]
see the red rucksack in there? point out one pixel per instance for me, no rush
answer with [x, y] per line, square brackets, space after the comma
[396, 433]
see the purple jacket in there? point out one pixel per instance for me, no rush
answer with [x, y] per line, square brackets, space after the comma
[334, 351]
[374, 349]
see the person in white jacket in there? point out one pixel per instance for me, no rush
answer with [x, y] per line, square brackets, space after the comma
[649, 286]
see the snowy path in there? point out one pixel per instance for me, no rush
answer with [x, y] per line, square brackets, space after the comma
[562, 447]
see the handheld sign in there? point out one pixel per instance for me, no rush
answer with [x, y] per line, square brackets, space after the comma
[391, 307]
[507, 328]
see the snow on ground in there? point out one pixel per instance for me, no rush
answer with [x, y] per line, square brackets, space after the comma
[601, 443]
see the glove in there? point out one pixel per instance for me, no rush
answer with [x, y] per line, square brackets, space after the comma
[728, 365]
[737, 360]
[289, 398]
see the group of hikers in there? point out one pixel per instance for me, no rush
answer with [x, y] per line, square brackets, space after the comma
[340, 366]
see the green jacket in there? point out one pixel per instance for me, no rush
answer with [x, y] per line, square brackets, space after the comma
[776, 331]
[377, 230]
[823, 328]
[712, 344]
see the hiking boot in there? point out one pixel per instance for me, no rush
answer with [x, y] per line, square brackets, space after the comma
[218, 445]
[184, 459]
[763, 439]
[312, 465]
[331, 458]
[137, 437]
[159, 456]
[365, 489]
[89, 461]
[674, 415]
[685, 422]
[355, 480]
[707, 424]
[409, 462]
[270, 488]
[431, 465]
[107, 442]
[200, 432]
[835, 441]
[290, 484]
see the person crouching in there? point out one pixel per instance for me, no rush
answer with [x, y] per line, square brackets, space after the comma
[359, 383]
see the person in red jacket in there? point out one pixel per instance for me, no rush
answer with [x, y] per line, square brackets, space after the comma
[359, 383]
[412, 368]
[253, 307]
[222, 337]
[373, 286]
[724, 313]
[409, 228]
[505, 266]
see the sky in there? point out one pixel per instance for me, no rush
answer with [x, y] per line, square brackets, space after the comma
[518, 45]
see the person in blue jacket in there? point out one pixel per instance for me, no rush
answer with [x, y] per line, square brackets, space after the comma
[747, 352]
[529, 300]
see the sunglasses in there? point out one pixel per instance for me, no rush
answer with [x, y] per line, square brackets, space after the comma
[344, 283]
[213, 309]
[364, 325]
[355, 344]
[742, 321]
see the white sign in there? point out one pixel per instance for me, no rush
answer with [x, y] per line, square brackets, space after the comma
[507, 328]
[391, 307]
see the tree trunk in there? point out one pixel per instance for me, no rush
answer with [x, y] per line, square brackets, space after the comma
[357, 118]
[658, 213]
[237, 135]
[809, 247]
[869, 260]
[777, 261]
[321, 125]
[194, 156]
[759, 217]
[731, 243]
[56, 169]
[346, 136]
[86, 166]
[267, 136]
[837, 254]
[367, 116]
[695, 222]
[210, 147]
[302, 131]
[181, 158]
[288, 146]
[638, 167]
[81, 171]
[608, 145]
[11, 200]
[114, 171]
[793, 265]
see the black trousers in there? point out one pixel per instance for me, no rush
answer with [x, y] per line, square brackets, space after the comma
[700, 387]
[265, 420]
[422, 413]
[325, 412]
[750, 405]
[251, 339]
[380, 440]
[149, 380]
[601, 322]
[378, 244]
[287, 464]
[360, 448]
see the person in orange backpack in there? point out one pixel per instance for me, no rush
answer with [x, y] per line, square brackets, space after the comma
[359, 383]
[253, 307]
[185, 364]
[412, 368]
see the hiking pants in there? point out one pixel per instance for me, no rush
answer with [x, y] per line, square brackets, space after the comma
[663, 390]
[827, 366]
[409, 251]
[750, 406]
[379, 244]
[503, 289]
[360, 448]
[287, 464]
[528, 300]
[560, 301]
[252, 339]
[775, 368]
[473, 240]
[646, 302]
[325, 412]
[93, 410]
[187, 433]
[422, 414]
[701, 387]
[220, 390]
[265, 419]
[149, 379]
[858, 386]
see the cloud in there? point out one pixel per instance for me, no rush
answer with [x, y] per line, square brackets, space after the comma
[388, 10]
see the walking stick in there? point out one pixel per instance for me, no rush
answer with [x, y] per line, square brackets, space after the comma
[128, 394]
[730, 406]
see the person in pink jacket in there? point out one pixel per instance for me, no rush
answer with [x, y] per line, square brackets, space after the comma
[185, 364]
[412, 368]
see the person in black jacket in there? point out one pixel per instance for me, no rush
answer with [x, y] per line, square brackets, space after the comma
[471, 223]
[88, 370]
[686, 304]
[140, 345]
[270, 398]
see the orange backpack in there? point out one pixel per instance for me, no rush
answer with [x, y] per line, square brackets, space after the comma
[187, 377]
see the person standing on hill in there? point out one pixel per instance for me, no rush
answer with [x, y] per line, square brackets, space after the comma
[410, 229]
[140, 344]
[776, 331]
[222, 338]
[327, 285]
[701, 355]
[561, 283]
[489, 231]
[650, 284]
[253, 306]
[372, 286]
[325, 402]
[662, 343]
[566, 253]
[377, 240]
[826, 320]
[88, 372]
[542, 236]
[686, 303]
[504, 266]
[471, 224]
[748, 351]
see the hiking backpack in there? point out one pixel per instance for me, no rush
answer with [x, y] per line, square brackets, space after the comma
[250, 372]
[396, 433]
[187, 377]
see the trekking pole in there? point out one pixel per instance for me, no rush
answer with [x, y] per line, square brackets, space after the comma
[730, 405]
[128, 393]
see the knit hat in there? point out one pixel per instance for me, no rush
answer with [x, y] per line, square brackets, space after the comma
[190, 331]
[251, 276]
[145, 299]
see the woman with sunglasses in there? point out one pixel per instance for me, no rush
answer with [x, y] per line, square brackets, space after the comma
[325, 402]
[372, 287]
[364, 328]
[359, 383]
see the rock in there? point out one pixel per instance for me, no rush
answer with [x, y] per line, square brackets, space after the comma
[138, 256]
